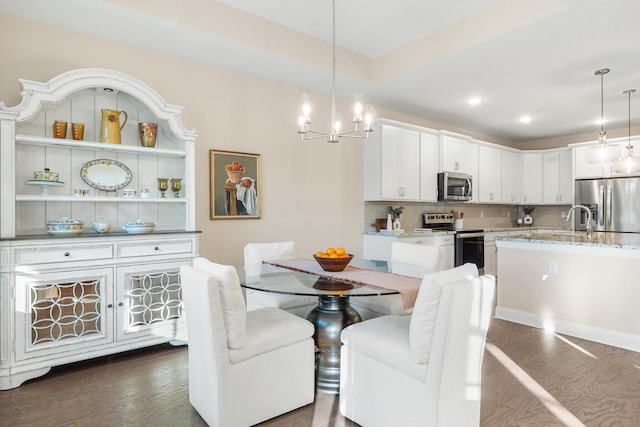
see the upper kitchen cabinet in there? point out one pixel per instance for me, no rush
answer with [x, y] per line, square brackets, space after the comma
[429, 155]
[489, 175]
[392, 163]
[582, 169]
[511, 167]
[532, 172]
[557, 178]
[455, 153]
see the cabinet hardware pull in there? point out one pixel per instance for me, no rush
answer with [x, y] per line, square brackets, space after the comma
[156, 248]
[67, 254]
[109, 305]
[120, 304]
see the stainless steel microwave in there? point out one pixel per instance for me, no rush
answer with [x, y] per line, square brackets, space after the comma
[454, 186]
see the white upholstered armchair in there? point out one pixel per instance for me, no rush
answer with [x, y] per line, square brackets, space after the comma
[423, 369]
[254, 254]
[407, 259]
[244, 367]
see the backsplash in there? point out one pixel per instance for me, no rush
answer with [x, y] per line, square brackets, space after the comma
[475, 215]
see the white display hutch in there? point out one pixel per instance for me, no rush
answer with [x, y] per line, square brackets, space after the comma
[75, 297]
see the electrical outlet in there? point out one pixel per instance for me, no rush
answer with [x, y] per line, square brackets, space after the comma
[481, 214]
[563, 215]
[553, 267]
[508, 214]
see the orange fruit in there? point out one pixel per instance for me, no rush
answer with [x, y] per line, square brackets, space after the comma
[331, 250]
[319, 254]
[340, 251]
[334, 255]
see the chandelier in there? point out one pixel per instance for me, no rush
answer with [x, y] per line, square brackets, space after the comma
[628, 163]
[602, 153]
[336, 132]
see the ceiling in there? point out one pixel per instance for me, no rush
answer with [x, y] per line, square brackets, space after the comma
[423, 58]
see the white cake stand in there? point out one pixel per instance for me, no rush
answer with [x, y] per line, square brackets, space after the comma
[44, 185]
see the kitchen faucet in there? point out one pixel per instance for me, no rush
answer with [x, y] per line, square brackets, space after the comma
[589, 226]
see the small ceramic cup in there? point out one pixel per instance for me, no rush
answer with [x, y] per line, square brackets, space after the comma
[145, 193]
[78, 192]
[77, 131]
[59, 129]
[148, 132]
[129, 193]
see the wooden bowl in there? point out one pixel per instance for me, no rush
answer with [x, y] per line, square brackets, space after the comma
[333, 264]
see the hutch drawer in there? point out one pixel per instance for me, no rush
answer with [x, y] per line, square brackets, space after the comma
[154, 248]
[56, 254]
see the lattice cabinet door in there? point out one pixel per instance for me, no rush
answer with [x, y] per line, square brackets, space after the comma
[149, 300]
[63, 311]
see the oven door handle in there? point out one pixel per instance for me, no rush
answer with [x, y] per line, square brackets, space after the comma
[468, 235]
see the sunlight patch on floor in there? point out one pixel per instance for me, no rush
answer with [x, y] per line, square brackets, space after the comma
[555, 407]
[576, 346]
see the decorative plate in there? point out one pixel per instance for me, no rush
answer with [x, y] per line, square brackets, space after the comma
[106, 174]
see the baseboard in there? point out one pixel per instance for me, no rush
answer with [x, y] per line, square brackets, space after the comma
[579, 330]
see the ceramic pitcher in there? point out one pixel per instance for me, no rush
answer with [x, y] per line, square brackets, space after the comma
[110, 126]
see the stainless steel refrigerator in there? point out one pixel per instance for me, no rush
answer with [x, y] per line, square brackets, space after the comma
[614, 202]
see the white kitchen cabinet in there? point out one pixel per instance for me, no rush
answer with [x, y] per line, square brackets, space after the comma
[429, 151]
[78, 296]
[392, 164]
[490, 251]
[557, 177]
[582, 169]
[489, 175]
[532, 178]
[511, 176]
[455, 153]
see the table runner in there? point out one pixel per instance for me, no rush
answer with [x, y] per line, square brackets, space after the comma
[406, 286]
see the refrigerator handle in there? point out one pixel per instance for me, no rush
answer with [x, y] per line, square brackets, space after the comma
[601, 207]
[609, 204]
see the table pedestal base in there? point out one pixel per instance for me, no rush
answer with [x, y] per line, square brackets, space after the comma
[332, 314]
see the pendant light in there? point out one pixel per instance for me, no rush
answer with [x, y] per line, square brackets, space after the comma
[602, 153]
[628, 163]
[336, 132]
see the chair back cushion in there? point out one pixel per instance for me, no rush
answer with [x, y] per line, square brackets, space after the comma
[425, 310]
[257, 252]
[234, 310]
[414, 260]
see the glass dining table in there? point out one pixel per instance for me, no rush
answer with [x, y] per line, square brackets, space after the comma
[332, 314]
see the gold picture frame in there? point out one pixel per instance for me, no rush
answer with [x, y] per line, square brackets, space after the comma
[235, 184]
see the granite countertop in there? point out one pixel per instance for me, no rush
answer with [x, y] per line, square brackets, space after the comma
[579, 238]
[411, 233]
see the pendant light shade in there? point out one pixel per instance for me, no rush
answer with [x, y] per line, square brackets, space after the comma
[628, 163]
[602, 153]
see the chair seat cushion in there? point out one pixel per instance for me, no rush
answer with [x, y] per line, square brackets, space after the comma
[425, 310]
[381, 304]
[386, 340]
[269, 329]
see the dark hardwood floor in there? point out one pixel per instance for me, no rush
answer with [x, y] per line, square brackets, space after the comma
[530, 378]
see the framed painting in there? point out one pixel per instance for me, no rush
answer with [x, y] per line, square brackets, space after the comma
[235, 183]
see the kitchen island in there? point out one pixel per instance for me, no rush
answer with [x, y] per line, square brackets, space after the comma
[587, 287]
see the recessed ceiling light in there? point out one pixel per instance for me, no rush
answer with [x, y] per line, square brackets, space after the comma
[474, 101]
[525, 119]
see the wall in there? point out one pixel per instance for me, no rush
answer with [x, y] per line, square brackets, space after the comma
[312, 192]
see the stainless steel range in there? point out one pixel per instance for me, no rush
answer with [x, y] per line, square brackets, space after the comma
[469, 243]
